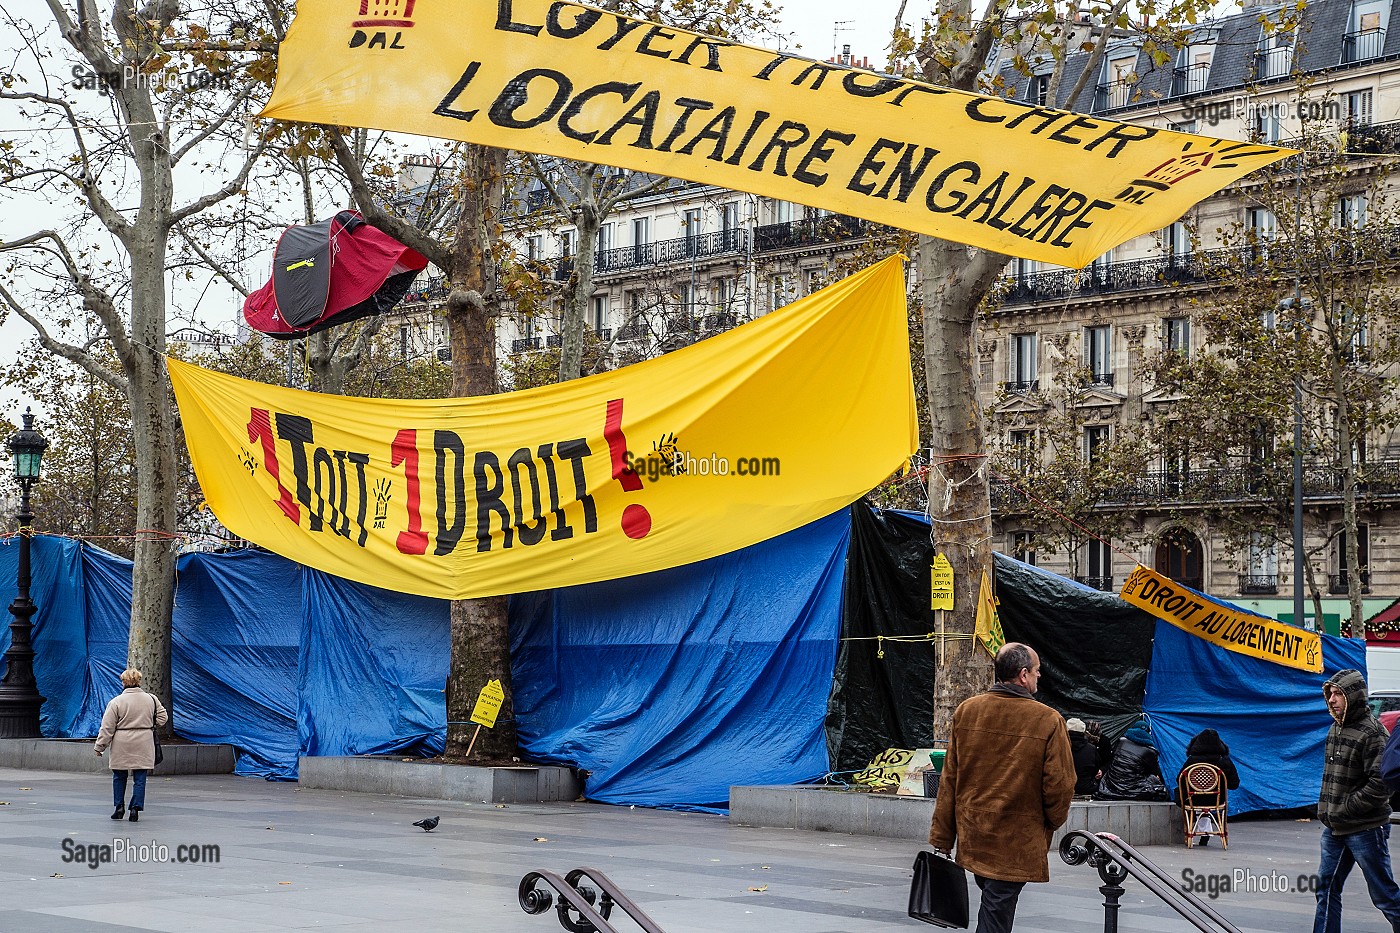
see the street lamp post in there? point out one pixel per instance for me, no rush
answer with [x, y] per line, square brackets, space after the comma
[19, 692]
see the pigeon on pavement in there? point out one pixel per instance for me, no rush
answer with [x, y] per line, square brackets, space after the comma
[428, 825]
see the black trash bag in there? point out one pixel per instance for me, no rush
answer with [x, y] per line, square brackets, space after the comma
[1133, 774]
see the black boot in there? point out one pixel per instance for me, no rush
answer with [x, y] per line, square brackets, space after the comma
[135, 813]
[119, 812]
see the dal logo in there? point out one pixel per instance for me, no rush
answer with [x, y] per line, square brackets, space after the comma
[380, 16]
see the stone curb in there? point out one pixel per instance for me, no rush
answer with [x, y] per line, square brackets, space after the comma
[76, 755]
[436, 781]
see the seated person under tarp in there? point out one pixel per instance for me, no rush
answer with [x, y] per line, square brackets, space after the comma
[1085, 749]
[1133, 773]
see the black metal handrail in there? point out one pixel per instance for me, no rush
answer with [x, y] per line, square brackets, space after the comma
[1362, 45]
[1115, 861]
[1105, 584]
[811, 231]
[1022, 387]
[1113, 94]
[525, 343]
[579, 898]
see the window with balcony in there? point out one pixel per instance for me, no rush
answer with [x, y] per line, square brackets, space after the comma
[1095, 442]
[1365, 37]
[729, 224]
[1192, 71]
[691, 225]
[605, 238]
[1350, 213]
[1339, 582]
[1038, 89]
[1176, 335]
[1268, 123]
[600, 314]
[1099, 564]
[1177, 240]
[1117, 87]
[534, 247]
[1176, 467]
[1358, 106]
[1275, 56]
[779, 292]
[1098, 354]
[1261, 570]
[1023, 547]
[1023, 364]
[1260, 227]
[1022, 451]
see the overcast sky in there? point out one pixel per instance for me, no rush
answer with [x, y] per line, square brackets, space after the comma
[865, 25]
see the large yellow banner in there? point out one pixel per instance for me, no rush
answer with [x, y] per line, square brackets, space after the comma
[1233, 630]
[576, 82]
[702, 451]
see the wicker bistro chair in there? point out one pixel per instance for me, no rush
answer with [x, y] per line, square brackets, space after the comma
[1202, 793]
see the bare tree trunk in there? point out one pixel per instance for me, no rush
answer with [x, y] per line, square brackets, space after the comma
[954, 281]
[587, 221]
[480, 630]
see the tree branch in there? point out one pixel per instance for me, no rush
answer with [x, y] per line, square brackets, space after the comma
[69, 352]
[234, 186]
[212, 263]
[406, 233]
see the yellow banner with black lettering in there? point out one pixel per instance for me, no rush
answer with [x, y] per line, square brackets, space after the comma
[576, 82]
[705, 450]
[1232, 629]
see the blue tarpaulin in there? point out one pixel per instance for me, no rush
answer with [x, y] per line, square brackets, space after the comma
[668, 687]
[1272, 717]
[672, 686]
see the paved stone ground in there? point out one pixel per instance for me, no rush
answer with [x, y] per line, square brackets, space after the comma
[294, 859]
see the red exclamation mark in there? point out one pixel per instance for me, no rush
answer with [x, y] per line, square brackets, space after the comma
[636, 520]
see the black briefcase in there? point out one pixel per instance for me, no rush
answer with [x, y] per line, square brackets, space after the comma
[938, 894]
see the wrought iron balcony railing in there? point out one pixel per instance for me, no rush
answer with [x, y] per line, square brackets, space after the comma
[1378, 480]
[1362, 45]
[1112, 95]
[1099, 379]
[1021, 388]
[809, 232]
[1273, 63]
[1257, 584]
[1099, 583]
[1337, 583]
[1190, 79]
[525, 344]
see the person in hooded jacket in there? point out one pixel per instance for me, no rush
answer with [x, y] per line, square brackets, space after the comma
[1207, 747]
[1086, 757]
[1133, 773]
[1353, 806]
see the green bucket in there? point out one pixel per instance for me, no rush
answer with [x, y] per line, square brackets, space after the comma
[937, 756]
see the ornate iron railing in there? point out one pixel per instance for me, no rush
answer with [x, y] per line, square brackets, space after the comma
[1112, 95]
[1099, 583]
[1257, 584]
[1023, 387]
[1116, 861]
[809, 232]
[1337, 583]
[524, 344]
[1378, 480]
[581, 908]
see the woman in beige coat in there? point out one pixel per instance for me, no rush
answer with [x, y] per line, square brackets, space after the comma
[126, 727]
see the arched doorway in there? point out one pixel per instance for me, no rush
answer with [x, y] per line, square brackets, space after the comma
[1179, 556]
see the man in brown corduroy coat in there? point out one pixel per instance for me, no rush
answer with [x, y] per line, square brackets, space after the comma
[1006, 786]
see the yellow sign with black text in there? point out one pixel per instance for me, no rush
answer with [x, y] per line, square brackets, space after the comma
[576, 82]
[488, 704]
[1233, 630]
[708, 449]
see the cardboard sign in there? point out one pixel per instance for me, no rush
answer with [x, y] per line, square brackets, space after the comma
[941, 583]
[488, 704]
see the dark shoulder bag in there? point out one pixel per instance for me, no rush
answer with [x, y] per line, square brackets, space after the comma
[155, 736]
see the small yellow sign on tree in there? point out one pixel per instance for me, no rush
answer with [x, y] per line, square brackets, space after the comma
[941, 583]
[488, 704]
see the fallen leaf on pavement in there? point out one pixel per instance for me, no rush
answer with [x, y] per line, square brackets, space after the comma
[761, 888]
[541, 838]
